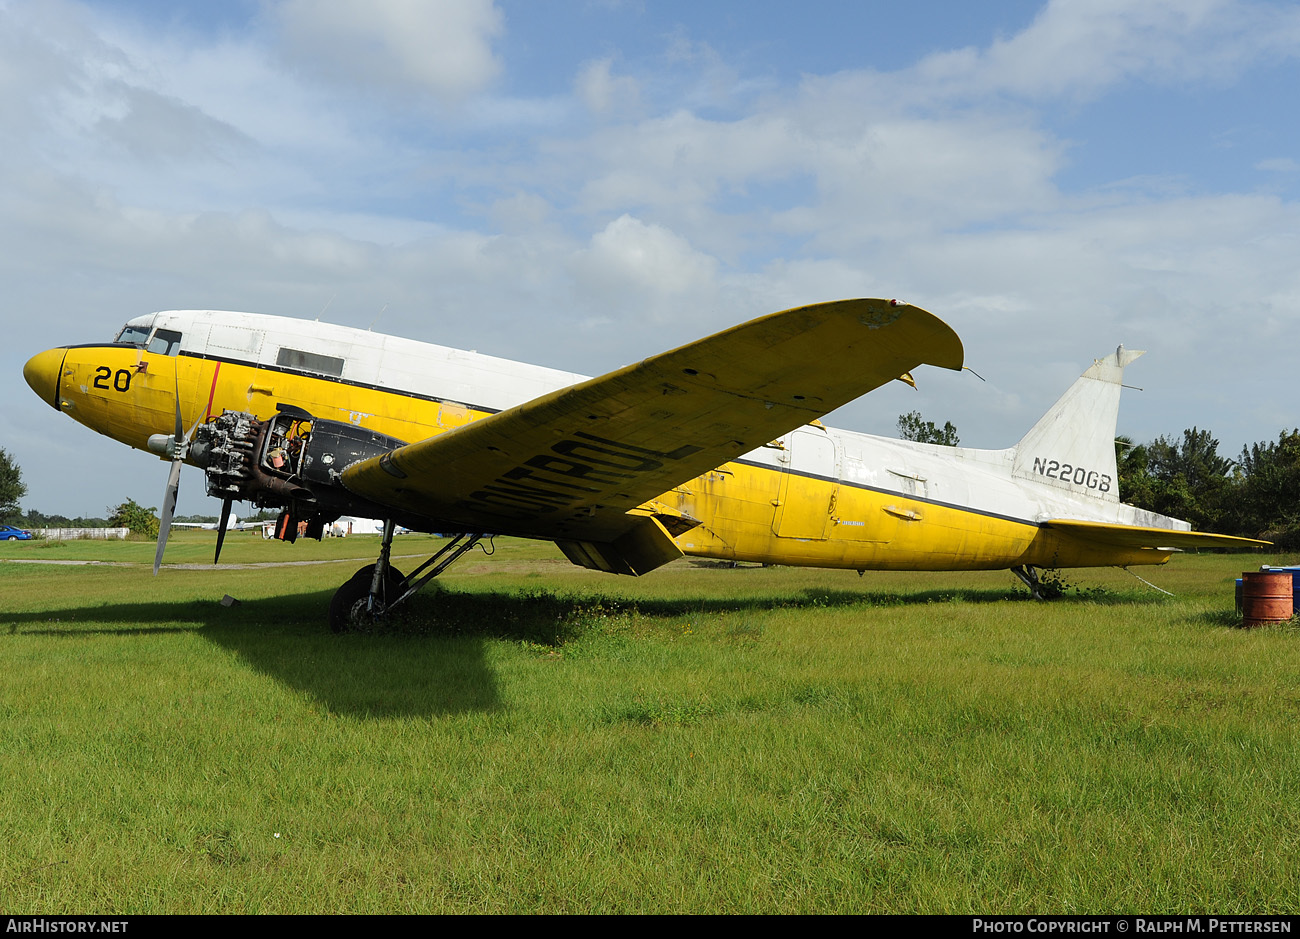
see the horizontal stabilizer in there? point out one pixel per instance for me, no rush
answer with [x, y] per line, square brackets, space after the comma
[1133, 536]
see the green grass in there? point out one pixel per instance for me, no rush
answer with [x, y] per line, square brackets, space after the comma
[532, 737]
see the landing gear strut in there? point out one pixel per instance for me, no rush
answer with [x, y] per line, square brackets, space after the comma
[374, 591]
[1029, 574]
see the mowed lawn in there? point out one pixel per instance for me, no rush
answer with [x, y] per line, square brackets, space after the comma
[532, 737]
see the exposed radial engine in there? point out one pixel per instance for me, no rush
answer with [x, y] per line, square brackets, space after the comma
[290, 461]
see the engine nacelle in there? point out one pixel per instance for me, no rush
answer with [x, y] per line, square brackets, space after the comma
[291, 458]
[333, 446]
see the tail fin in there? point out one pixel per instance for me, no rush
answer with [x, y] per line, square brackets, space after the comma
[1072, 447]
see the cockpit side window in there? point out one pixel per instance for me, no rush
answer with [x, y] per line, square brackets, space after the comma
[133, 334]
[165, 342]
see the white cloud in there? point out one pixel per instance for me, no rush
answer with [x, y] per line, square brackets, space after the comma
[834, 176]
[1080, 47]
[645, 267]
[521, 212]
[154, 127]
[603, 92]
[648, 257]
[442, 47]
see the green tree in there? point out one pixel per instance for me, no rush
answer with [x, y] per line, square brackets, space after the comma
[1268, 503]
[1195, 460]
[12, 488]
[911, 426]
[34, 518]
[1136, 487]
[1185, 478]
[135, 517]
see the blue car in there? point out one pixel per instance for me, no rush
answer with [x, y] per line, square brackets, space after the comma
[9, 533]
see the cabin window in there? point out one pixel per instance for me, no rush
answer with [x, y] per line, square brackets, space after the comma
[165, 342]
[133, 334]
[310, 362]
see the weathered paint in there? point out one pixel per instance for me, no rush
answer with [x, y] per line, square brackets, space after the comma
[817, 497]
[869, 530]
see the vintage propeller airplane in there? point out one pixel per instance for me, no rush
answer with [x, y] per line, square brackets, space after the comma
[713, 449]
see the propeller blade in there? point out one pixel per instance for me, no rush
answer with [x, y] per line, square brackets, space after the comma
[221, 527]
[180, 423]
[169, 508]
[180, 437]
[179, 449]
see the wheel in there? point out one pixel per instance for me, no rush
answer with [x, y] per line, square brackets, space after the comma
[12, 538]
[348, 605]
[353, 593]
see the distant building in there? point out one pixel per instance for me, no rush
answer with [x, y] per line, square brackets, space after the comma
[68, 534]
[348, 525]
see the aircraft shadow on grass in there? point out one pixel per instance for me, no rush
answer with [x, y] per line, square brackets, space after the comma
[431, 660]
[391, 673]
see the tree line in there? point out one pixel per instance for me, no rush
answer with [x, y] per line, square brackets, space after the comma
[1256, 495]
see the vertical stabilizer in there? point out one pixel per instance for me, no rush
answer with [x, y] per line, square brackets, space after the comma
[1072, 447]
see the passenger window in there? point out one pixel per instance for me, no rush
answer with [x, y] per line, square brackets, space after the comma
[310, 362]
[165, 342]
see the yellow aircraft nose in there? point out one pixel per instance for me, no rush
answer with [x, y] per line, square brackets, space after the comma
[42, 373]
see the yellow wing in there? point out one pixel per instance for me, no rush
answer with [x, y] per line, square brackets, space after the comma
[572, 464]
[1132, 536]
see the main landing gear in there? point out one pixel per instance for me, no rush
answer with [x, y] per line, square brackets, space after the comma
[374, 591]
[1029, 574]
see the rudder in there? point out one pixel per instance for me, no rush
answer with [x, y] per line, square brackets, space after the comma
[1072, 447]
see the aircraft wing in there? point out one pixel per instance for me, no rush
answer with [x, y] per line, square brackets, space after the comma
[571, 465]
[1133, 536]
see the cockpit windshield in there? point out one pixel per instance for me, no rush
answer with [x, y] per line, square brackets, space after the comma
[133, 334]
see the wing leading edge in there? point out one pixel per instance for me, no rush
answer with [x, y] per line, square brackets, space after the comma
[571, 465]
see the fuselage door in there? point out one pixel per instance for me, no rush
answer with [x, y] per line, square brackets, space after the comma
[809, 485]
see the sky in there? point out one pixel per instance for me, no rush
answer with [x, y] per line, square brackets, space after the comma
[583, 184]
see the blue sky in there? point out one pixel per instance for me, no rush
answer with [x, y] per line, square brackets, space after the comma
[584, 184]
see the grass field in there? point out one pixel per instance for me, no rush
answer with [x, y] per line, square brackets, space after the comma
[537, 738]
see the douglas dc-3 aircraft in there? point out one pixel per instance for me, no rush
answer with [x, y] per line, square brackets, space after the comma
[713, 449]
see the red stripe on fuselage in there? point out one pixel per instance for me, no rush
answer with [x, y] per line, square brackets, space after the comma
[213, 392]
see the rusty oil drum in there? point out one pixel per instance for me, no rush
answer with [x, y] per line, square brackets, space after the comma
[1266, 597]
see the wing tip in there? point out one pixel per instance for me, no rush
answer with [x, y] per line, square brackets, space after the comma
[943, 346]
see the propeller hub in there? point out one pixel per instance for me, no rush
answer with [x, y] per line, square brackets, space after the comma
[166, 445]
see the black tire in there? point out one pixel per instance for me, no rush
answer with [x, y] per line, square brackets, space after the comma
[347, 606]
